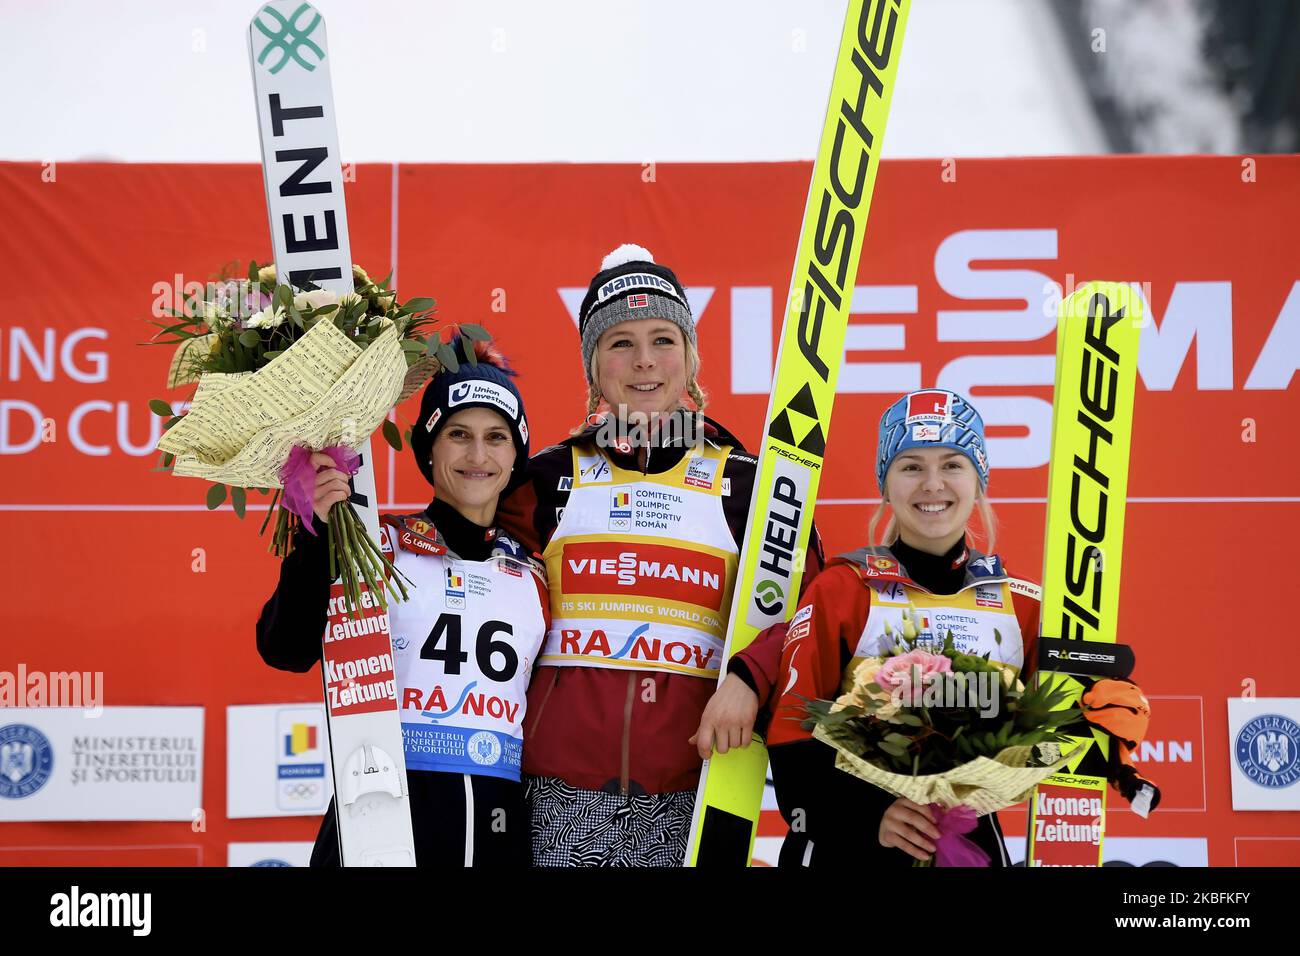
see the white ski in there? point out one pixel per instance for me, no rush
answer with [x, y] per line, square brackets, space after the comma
[302, 170]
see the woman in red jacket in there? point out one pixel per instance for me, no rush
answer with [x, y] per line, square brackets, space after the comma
[932, 470]
[639, 518]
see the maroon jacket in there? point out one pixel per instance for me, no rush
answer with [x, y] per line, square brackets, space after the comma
[615, 730]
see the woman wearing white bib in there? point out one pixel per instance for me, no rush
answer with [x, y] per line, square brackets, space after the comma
[466, 639]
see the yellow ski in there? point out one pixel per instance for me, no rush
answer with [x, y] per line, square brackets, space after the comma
[1092, 420]
[730, 793]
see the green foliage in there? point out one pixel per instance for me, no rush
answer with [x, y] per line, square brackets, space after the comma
[392, 435]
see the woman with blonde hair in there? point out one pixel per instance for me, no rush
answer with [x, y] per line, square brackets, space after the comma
[639, 516]
[932, 469]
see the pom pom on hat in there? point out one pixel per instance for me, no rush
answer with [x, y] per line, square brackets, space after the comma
[630, 270]
[627, 252]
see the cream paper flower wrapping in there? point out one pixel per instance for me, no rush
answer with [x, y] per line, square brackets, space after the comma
[984, 784]
[323, 390]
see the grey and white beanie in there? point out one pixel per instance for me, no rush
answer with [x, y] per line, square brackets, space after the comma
[631, 285]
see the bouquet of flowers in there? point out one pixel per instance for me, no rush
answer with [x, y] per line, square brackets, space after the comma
[954, 731]
[282, 374]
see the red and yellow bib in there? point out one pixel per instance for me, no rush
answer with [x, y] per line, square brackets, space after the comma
[980, 617]
[641, 567]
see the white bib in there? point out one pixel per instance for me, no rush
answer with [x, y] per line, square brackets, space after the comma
[466, 641]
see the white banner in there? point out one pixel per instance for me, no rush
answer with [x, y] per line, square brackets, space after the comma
[129, 763]
[277, 761]
[1264, 752]
[268, 854]
[1136, 851]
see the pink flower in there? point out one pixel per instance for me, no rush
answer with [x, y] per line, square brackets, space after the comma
[899, 675]
[255, 302]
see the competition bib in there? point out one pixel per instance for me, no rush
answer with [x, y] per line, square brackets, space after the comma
[972, 615]
[466, 642]
[641, 567]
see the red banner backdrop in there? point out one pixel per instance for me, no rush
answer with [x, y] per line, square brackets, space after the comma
[963, 265]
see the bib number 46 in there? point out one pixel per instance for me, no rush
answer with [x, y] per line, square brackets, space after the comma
[486, 648]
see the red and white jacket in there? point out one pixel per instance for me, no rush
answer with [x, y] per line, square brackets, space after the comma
[842, 616]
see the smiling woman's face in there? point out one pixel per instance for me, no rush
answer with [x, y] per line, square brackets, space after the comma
[472, 458]
[932, 492]
[641, 365]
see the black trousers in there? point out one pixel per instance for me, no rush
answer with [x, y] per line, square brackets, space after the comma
[498, 835]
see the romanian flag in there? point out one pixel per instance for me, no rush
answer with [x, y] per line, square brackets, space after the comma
[300, 738]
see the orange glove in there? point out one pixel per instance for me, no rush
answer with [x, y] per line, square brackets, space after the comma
[1121, 709]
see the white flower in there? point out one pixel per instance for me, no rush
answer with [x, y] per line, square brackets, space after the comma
[268, 318]
[314, 299]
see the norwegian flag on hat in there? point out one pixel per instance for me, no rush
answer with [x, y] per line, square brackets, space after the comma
[639, 301]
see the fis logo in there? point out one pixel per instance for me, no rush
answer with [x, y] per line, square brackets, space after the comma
[928, 406]
[620, 510]
[925, 433]
[593, 470]
[891, 592]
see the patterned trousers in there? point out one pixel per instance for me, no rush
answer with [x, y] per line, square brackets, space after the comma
[573, 827]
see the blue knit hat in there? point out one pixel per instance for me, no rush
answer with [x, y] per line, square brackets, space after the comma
[488, 384]
[932, 418]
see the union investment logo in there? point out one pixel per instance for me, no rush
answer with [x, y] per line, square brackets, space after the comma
[289, 37]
